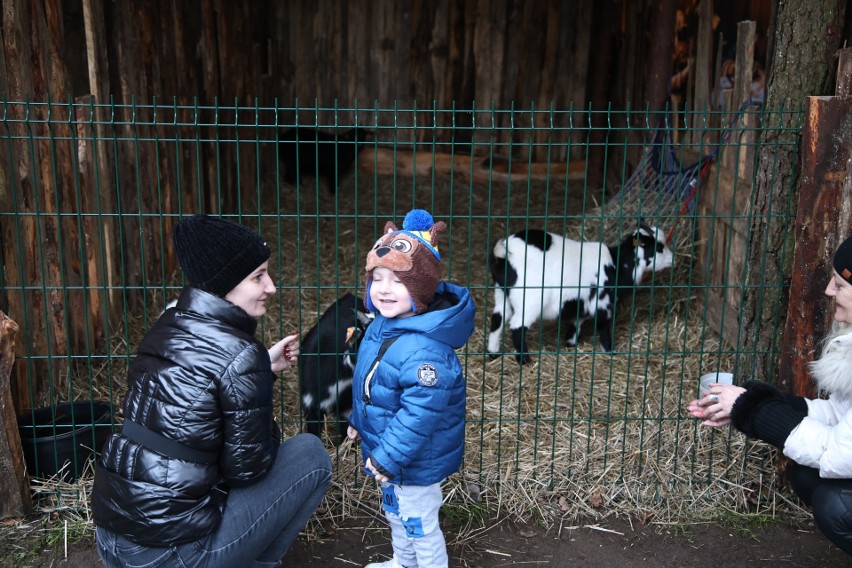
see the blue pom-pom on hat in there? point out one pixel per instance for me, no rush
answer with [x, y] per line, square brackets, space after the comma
[417, 220]
[418, 223]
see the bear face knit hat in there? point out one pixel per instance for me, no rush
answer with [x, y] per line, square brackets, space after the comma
[843, 260]
[216, 255]
[412, 254]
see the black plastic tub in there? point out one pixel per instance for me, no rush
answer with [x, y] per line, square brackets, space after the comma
[66, 433]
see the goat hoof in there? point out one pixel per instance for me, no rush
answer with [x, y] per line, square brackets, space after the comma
[493, 356]
[523, 359]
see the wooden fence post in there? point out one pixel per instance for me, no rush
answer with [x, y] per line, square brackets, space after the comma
[15, 500]
[822, 222]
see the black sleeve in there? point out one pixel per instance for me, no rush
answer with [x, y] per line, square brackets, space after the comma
[763, 412]
[379, 467]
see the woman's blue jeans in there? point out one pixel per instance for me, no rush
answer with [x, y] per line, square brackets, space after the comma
[259, 524]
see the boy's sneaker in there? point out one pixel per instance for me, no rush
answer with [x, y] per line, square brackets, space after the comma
[392, 563]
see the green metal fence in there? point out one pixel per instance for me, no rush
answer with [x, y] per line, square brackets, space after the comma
[90, 193]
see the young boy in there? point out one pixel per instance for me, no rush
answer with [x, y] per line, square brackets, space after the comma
[409, 390]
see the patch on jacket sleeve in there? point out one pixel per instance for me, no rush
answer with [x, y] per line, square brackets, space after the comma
[427, 375]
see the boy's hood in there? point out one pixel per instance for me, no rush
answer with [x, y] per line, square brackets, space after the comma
[449, 319]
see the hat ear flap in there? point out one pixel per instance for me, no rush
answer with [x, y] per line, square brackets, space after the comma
[433, 233]
[390, 227]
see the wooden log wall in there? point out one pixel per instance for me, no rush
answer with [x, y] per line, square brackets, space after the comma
[117, 59]
[142, 122]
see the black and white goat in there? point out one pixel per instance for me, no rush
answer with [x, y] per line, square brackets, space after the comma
[327, 360]
[540, 275]
[306, 151]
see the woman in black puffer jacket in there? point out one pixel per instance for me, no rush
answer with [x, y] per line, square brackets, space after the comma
[198, 476]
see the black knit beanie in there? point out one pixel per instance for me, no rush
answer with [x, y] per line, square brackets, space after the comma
[216, 255]
[843, 260]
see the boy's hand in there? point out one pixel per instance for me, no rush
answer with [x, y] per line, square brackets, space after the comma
[351, 433]
[379, 477]
[284, 353]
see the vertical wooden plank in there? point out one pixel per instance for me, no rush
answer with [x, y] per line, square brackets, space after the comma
[15, 499]
[844, 73]
[735, 153]
[455, 59]
[96, 184]
[16, 184]
[700, 74]
[385, 23]
[403, 88]
[572, 44]
[488, 50]
[826, 155]
[703, 55]
[547, 86]
[529, 62]
[359, 70]
[37, 174]
[603, 30]
[132, 37]
[210, 95]
[746, 33]
[424, 46]
[59, 186]
[506, 90]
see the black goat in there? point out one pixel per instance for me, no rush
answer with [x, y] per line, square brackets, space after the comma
[327, 361]
[330, 156]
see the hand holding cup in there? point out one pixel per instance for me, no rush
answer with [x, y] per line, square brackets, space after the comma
[717, 395]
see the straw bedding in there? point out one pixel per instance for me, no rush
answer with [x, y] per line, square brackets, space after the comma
[578, 432]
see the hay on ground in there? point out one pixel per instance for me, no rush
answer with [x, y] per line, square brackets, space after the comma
[579, 432]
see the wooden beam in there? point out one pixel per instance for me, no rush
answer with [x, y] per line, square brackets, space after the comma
[822, 222]
[700, 72]
[15, 500]
[844, 73]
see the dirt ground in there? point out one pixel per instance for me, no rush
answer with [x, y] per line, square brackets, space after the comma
[614, 542]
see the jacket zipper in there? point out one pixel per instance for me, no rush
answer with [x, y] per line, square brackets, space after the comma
[367, 381]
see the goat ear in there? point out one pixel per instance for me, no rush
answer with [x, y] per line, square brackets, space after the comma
[433, 232]
[363, 319]
[390, 227]
[646, 228]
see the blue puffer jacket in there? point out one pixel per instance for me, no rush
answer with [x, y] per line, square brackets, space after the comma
[410, 414]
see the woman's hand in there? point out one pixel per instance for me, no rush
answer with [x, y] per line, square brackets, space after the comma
[284, 353]
[714, 408]
[379, 477]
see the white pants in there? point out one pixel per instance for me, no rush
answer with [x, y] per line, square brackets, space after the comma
[412, 512]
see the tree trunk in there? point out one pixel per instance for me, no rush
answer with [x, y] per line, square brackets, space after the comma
[806, 36]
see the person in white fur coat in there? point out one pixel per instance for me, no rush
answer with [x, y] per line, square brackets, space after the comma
[815, 433]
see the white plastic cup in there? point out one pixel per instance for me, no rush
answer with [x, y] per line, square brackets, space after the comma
[706, 380]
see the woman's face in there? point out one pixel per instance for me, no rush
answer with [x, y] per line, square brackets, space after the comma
[841, 291]
[251, 294]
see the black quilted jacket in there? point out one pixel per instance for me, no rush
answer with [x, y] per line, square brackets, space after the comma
[201, 379]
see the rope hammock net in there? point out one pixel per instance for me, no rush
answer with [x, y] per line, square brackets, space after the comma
[661, 190]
